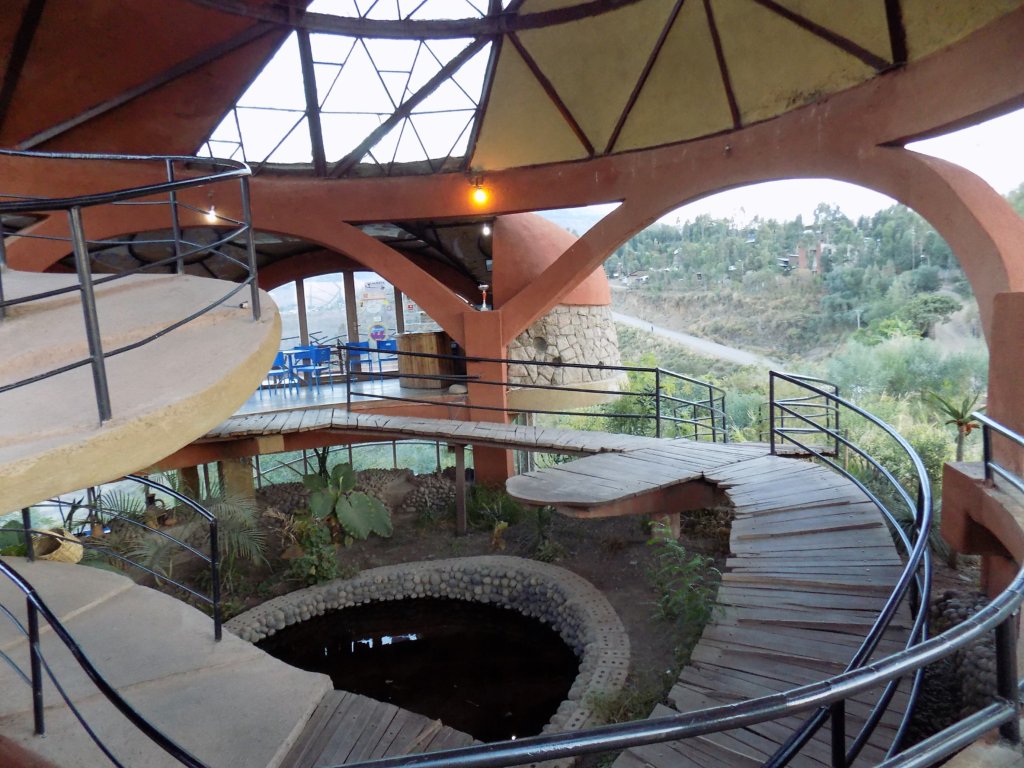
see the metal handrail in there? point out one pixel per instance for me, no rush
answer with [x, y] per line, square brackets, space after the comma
[35, 607]
[212, 561]
[712, 407]
[992, 467]
[168, 188]
[917, 554]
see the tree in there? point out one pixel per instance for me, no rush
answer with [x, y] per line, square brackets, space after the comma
[926, 310]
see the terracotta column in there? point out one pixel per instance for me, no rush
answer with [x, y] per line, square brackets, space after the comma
[1005, 386]
[483, 339]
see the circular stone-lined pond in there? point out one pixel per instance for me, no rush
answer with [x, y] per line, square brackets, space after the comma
[483, 670]
[583, 628]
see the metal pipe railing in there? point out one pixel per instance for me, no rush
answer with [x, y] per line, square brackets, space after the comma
[36, 608]
[167, 189]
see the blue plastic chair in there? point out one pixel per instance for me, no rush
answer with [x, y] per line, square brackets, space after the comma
[383, 349]
[359, 357]
[313, 362]
[279, 374]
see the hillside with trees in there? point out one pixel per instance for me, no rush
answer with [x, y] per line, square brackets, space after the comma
[794, 290]
[880, 306]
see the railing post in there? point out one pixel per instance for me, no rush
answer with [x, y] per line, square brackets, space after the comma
[835, 437]
[35, 664]
[1007, 685]
[179, 263]
[215, 579]
[771, 411]
[838, 721]
[26, 523]
[3, 268]
[657, 402]
[250, 248]
[461, 521]
[986, 443]
[92, 323]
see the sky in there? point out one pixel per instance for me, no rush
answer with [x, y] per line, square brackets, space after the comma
[994, 150]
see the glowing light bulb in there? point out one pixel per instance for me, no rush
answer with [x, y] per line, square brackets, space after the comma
[211, 215]
[480, 195]
[486, 229]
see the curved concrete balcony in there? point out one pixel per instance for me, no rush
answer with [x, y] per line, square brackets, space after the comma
[163, 394]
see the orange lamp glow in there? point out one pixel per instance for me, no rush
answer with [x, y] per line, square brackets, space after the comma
[479, 195]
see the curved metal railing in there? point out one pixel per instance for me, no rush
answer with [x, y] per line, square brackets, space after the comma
[35, 608]
[671, 404]
[178, 174]
[104, 514]
[794, 419]
[826, 697]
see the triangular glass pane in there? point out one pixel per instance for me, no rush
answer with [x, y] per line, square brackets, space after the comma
[331, 49]
[394, 55]
[359, 88]
[334, 7]
[227, 130]
[280, 83]
[395, 83]
[409, 148]
[379, 9]
[221, 148]
[297, 148]
[426, 67]
[444, 132]
[471, 74]
[262, 129]
[446, 50]
[480, 6]
[446, 97]
[343, 133]
[326, 77]
[385, 148]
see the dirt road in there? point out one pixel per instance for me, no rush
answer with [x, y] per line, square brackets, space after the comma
[697, 344]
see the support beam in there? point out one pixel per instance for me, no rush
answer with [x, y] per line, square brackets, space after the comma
[300, 299]
[316, 136]
[163, 78]
[19, 54]
[399, 311]
[351, 315]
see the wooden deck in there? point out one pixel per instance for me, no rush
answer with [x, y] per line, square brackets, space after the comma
[811, 565]
[349, 728]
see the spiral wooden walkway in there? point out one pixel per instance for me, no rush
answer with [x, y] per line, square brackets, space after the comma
[812, 563]
[811, 566]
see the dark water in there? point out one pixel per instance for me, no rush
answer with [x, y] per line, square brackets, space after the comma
[487, 671]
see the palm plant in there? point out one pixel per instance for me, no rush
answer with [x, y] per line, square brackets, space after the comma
[959, 414]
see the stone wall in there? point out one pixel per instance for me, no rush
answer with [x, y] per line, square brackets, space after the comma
[566, 334]
[568, 603]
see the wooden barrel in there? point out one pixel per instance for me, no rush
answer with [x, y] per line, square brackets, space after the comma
[433, 343]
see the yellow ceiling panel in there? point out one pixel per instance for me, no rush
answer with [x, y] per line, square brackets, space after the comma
[928, 30]
[683, 97]
[775, 65]
[860, 21]
[595, 63]
[521, 125]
